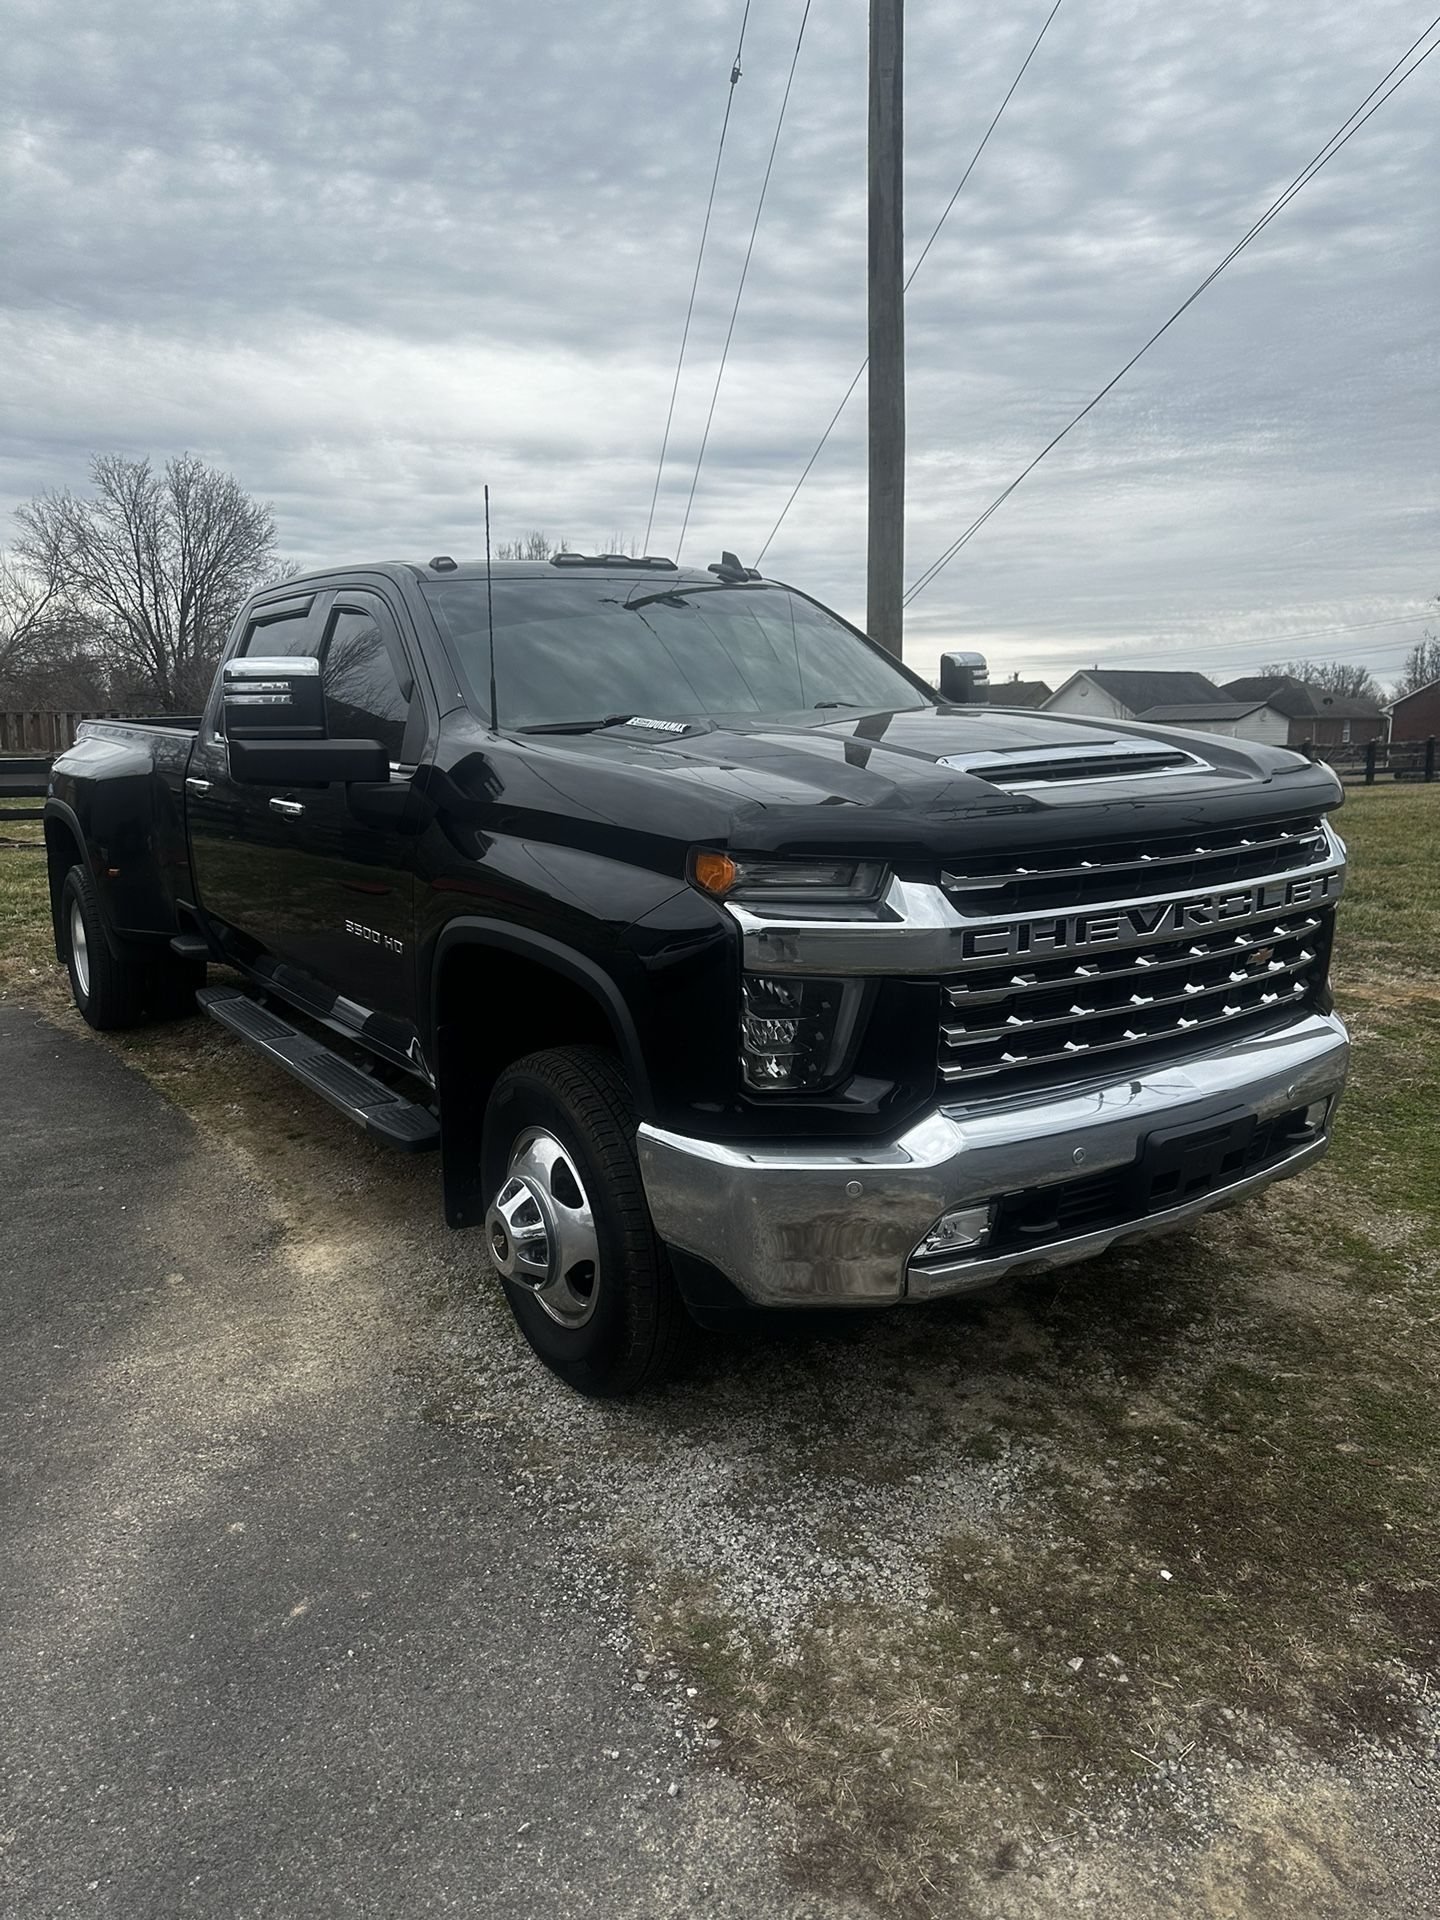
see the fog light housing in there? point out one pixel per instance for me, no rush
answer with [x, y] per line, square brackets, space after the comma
[1315, 1116]
[794, 1033]
[960, 1230]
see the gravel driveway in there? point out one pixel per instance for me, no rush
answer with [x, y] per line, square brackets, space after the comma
[270, 1642]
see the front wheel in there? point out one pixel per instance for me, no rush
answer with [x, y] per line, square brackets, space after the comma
[568, 1229]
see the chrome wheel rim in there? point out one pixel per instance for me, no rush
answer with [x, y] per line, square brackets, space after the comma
[79, 949]
[541, 1229]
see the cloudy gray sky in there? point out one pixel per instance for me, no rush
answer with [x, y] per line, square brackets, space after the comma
[369, 256]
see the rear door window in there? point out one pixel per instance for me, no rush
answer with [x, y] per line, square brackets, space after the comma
[289, 633]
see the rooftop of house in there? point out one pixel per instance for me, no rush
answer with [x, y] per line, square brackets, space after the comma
[1179, 712]
[1019, 693]
[1430, 686]
[1298, 700]
[1139, 688]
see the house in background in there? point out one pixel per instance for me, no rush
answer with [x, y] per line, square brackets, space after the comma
[1271, 708]
[1310, 713]
[1019, 693]
[1240, 719]
[1416, 716]
[1105, 693]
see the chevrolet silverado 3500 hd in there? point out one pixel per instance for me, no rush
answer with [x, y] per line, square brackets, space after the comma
[725, 964]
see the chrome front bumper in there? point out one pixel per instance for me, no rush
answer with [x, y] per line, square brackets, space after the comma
[836, 1226]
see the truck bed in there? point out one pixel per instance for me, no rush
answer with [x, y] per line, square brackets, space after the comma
[188, 723]
[121, 788]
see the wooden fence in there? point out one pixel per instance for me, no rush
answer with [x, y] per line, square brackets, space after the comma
[48, 733]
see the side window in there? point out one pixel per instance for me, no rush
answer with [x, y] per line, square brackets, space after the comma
[291, 633]
[363, 700]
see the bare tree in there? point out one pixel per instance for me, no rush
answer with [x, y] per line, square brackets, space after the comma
[535, 545]
[1333, 675]
[1422, 665]
[66, 674]
[29, 605]
[155, 563]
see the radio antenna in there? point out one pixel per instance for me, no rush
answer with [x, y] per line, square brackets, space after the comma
[490, 614]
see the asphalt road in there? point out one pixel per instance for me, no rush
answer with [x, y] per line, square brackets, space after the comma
[269, 1643]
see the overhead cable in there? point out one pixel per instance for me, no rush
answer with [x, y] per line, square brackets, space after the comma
[934, 235]
[1347, 129]
[695, 282]
[744, 270]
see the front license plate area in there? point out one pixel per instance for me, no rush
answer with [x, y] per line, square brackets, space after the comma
[1177, 1164]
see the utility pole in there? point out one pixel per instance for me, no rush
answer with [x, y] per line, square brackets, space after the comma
[886, 558]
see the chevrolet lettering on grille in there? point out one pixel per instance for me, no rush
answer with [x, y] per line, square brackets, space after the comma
[1148, 921]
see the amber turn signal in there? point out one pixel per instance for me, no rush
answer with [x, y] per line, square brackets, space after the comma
[715, 872]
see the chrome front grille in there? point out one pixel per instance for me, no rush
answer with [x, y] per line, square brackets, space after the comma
[1042, 998]
[1185, 862]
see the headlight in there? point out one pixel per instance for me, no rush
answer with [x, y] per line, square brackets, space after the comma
[794, 1033]
[728, 877]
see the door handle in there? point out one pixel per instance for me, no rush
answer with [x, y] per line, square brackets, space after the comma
[290, 808]
[196, 786]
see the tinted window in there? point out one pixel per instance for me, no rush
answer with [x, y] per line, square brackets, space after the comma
[363, 700]
[292, 633]
[577, 650]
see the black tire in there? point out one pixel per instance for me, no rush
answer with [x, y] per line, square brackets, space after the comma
[638, 1330]
[117, 988]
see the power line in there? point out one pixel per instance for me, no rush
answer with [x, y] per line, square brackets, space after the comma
[1315, 633]
[1273, 641]
[1381, 657]
[934, 235]
[744, 270]
[1321, 158]
[1035, 48]
[1367, 650]
[694, 284]
[1306, 174]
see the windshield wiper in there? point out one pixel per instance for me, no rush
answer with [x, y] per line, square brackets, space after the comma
[677, 596]
[580, 726]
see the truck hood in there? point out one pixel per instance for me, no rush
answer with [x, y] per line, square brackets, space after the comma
[923, 775]
[908, 785]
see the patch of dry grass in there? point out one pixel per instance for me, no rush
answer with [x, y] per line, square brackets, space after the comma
[1227, 1553]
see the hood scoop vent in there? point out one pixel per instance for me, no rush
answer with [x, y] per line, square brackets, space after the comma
[1115, 760]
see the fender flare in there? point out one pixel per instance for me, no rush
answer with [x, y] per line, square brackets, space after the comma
[62, 811]
[66, 817]
[475, 930]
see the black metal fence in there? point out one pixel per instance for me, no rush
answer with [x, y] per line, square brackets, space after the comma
[24, 782]
[1379, 762]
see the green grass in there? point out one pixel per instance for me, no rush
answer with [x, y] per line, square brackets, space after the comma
[1392, 900]
[27, 955]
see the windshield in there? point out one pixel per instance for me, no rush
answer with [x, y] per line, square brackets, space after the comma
[579, 650]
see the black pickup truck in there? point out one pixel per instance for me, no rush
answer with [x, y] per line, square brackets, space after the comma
[726, 964]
